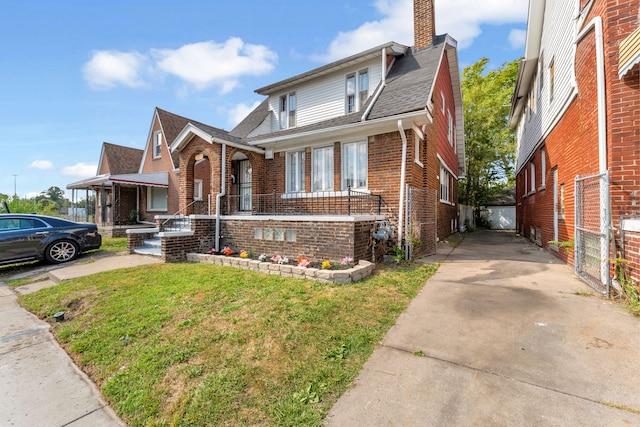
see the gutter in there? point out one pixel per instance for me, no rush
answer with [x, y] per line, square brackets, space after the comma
[223, 187]
[403, 172]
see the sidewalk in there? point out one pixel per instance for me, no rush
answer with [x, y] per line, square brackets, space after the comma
[503, 334]
[41, 386]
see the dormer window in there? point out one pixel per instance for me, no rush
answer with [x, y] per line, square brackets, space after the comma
[357, 90]
[157, 144]
[288, 110]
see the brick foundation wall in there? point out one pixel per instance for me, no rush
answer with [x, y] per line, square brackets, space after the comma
[628, 246]
[317, 240]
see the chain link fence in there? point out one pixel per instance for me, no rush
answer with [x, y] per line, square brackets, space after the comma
[420, 222]
[592, 237]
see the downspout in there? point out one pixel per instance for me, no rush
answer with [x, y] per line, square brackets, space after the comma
[223, 187]
[596, 23]
[383, 83]
[403, 171]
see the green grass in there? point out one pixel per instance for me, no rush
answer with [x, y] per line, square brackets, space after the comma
[114, 244]
[199, 344]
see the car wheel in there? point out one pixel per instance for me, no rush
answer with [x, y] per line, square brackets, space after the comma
[61, 251]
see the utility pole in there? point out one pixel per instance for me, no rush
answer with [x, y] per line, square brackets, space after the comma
[15, 184]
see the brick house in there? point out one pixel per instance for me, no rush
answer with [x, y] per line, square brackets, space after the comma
[350, 159]
[132, 185]
[576, 110]
[353, 158]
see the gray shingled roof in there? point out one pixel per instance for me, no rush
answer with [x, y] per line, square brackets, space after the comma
[252, 121]
[407, 89]
[409, 82]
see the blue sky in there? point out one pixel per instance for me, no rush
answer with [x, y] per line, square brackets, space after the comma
[75, 73]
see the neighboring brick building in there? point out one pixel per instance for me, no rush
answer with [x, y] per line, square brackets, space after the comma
[576, 109]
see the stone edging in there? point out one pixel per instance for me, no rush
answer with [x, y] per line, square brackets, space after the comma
[350, 275]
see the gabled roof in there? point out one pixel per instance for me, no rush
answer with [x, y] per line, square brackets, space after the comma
[409, 82]
[391, 48]
[252, 121]
[118, 159]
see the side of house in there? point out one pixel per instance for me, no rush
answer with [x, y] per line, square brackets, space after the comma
[576, 113]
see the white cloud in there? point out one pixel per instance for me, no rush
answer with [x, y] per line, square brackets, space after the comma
[517, 38]
[207, 64]
[41, 164]
[461, 19]
[109, 68]
[239, 112]
[199, 65]
[80, 170]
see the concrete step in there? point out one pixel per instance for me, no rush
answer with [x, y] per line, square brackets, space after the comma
[150, 247]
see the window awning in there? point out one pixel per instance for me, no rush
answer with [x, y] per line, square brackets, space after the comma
[155, 179]
[629, 53]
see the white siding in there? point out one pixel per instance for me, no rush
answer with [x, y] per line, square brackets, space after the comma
[558, 33]
[320, 99]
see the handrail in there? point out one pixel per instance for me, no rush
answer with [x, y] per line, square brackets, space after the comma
[178, 212]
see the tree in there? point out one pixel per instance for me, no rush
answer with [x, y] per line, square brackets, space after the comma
[489, 143]
[56, 195]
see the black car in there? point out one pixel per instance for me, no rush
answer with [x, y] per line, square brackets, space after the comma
[25, 237]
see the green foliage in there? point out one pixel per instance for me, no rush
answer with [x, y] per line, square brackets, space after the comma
[489, 143]
[630, 291]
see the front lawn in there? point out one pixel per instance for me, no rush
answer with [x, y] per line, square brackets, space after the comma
[200, 344]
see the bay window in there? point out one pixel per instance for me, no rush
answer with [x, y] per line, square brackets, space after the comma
[354, 165]
[322, 169]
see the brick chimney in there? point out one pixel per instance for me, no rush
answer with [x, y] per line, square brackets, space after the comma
[424, 23]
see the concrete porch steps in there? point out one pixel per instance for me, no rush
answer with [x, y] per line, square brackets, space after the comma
[151, 247]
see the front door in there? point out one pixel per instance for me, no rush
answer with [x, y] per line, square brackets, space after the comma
[244, 181]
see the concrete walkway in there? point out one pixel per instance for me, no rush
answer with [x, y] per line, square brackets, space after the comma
[39, 383]
[503, 335]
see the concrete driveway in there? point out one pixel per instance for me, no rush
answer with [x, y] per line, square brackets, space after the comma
[503, 335]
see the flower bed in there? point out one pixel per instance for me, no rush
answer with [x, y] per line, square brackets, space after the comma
[345, 276]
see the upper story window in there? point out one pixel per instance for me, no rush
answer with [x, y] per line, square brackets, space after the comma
[322, 169]
[157, 144]
[295, 171]
[357, 90]
[355, 165]
[288, 107]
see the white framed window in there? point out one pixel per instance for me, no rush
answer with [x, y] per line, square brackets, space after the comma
[417, 143]
[354, 162]
[356, 90]
[363, 87]
[157, 144]
[322, 169]
[197, 189]
[156, 199]
[288, 108]
[445, 185]
[295, 171]
[450, 128]
[543, 168]
[532, 177]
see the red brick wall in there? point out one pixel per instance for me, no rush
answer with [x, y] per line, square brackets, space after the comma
[317, 240]
[572, 146]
